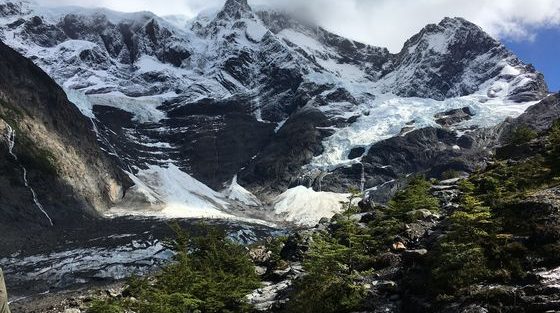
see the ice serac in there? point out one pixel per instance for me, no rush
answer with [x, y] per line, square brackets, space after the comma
[273, 100]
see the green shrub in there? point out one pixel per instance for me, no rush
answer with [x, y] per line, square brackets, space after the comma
[416, 196]
[329, 284]
[103, 307]
[210, 273]
[450, 174]
[457, 265]
[522, 134]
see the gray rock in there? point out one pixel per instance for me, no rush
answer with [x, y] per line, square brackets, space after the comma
[3, 295]
[452, 117]
[414, 254]
[260, 270]
[70, 174]
[260, 254]
[422, 214]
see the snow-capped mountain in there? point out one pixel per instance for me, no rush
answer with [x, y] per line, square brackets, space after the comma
[240, 107]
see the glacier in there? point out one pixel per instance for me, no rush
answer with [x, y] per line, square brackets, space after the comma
[263, 64]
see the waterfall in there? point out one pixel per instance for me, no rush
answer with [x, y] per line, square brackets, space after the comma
[35, 199]
[363, 178]
[11, 137]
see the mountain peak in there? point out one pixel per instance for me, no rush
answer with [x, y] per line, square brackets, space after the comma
[458, 22]
[236, 9]
[451, 31]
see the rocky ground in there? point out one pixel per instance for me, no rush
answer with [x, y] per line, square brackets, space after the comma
[383, 286]
[78, 258]
[69, 301]
[280, 265]
[389, 287]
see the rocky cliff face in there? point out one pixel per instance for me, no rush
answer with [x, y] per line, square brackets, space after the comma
[54, 172]
[270, 99]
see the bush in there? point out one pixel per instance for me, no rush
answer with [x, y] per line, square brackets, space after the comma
[457, 265]
[522, 134]
[416, 196]
[450, 174]
[102, 307]
[328, 285]
[210, 274]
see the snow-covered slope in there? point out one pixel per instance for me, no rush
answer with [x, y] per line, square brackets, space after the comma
[258, 99]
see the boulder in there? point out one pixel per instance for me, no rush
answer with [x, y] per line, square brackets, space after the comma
[260, 254]
[422, 214]
[398, 246]
[294, 248]
[414, 255]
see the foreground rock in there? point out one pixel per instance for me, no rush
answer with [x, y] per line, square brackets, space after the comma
[3, 295]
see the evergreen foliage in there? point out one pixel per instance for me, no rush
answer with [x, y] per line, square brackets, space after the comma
[522, 134]
[339, 257]
[416, 196]
[210, 274]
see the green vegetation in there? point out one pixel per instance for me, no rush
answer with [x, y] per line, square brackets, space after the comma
[450, 174]
[10, 113]
[522, 134]
[416, 196]
[329, 285]
[33, 157]
[459, 259]
[339, 257]
[210, 274]
[492, 236]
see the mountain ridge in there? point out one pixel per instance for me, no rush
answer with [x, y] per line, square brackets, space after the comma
[190, 97]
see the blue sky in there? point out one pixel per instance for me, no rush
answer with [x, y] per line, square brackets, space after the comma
[543, 52]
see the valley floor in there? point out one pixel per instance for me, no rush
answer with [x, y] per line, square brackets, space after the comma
[96, 254]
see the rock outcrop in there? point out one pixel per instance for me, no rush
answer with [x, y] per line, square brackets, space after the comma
[54, 171]
[3, 295]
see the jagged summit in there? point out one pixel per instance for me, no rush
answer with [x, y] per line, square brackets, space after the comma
[235, 9]
[456, 57]
[437, 37]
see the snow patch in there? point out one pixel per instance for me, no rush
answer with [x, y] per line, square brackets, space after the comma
[255, 31]
[303, 41]
[178, 195]
[438, 43]
[551, 278]
[305, 206]
[144, 109]
[182, 195]
[236, 192]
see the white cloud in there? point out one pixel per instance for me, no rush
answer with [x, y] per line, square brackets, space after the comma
[379, 22]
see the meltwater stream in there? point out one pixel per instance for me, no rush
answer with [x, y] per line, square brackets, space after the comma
[11, 137]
